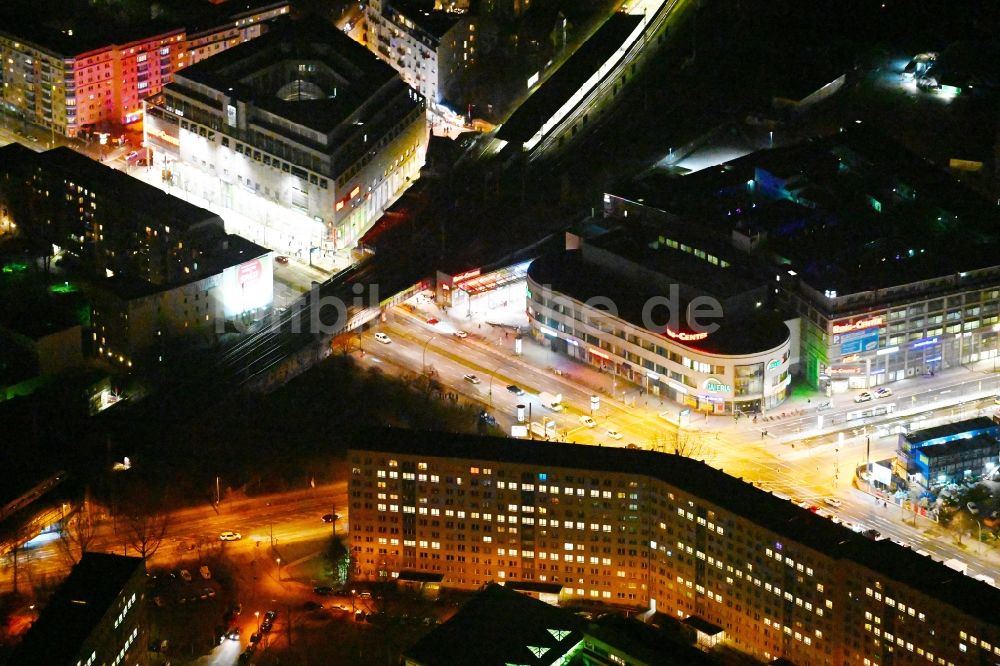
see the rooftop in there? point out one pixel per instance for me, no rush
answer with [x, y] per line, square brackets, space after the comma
[76, 608]
[953, 430]
[850, 212]
[499, 627]
[647, 644]
[130, 192]
[232, 250]
[568, 273]
[781, 517]
[69, 28]
[344, 79]
[979, 442]
[421, 12]
[571, 75]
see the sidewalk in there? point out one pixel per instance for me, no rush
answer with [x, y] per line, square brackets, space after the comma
[494, 331]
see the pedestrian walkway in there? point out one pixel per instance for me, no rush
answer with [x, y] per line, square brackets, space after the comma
[494, 329]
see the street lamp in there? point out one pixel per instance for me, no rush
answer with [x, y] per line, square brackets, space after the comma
[278, 560]
[423, 358]
[256, 614]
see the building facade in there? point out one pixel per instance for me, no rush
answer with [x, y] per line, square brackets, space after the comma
[96, 617]
[306, 120]
[851, 231]
[429, 48]
[75, 80]
[603, 304]
[647, 530]
[160, 270]
[952, 453]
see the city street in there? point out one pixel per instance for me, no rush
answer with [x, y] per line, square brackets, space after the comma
[276, 519]
[807, 470]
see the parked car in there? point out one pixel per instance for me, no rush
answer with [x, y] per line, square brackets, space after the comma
[230, 536]
[472, 379]
[209, 592]
[312, 606]
[329, 518]
[972, 507]
[433, 321]
[281, 259]
[460, 334]
[515, 389]
[383, 338]
[832, 501]
[863, 397]
[883, 392]
[614, 434]
[205, 572]
[186, 575]
[323, 590]
[588, 421]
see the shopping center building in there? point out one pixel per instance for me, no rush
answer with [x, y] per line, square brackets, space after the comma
[302, 125]
[890, 263]
[659, 532]
[635, 305]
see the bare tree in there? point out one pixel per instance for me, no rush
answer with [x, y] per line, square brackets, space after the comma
[680, 442]
[688, 444]
[144, 530]
[78, 532]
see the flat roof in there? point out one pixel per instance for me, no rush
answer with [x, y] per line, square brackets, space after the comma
[212, 261]
[568, 273]
[131, 192]
[421, 576]
[571, 75]
[354, 75]
[960, 445]
[858, 212]
[69, 29]
[434, 22]
[646, 643]
[781, 517]
[498, 627]
[951, 429]
[76, 608]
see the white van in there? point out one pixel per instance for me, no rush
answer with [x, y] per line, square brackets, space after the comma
[383, 338]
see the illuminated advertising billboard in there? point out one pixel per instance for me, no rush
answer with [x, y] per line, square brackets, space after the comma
[248, 287]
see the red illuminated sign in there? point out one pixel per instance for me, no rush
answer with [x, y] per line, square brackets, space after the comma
[249, 272]
[858, 324]
[685, 337]
[466, 275]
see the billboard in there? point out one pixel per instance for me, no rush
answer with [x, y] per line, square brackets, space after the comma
[248, 287]
[859, 341]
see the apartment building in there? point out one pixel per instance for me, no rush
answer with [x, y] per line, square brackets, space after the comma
[88, 74]
[646, 530]
[629, 302]
[428, 47]
[305, 119]
[159, 269]
[889, 262]
[97, 617]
